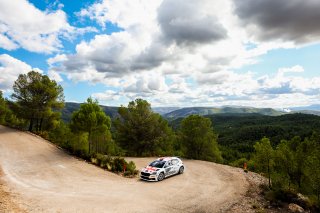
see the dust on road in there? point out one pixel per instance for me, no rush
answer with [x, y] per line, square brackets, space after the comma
[45, 179]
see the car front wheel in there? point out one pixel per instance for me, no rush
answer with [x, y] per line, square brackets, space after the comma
[181, 170]
[160, 176]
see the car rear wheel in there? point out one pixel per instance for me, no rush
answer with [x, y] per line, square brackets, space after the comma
[181, 170]
[160, 176]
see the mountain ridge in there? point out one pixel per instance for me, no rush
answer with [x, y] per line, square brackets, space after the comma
[172, 113]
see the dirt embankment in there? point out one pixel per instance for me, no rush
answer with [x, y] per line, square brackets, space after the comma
[43, 178]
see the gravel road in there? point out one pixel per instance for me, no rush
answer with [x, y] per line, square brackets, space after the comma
[43, 178]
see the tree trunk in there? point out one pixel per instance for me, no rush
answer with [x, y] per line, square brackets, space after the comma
[103, 146]
[269, 174]
[89, 142]
[40, 125]
[37, 124]
[289, 183]
[96, 143]
[30, 125]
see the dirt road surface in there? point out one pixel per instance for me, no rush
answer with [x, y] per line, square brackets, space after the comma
[42, 178]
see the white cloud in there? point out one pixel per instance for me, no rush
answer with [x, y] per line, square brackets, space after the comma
[126, 14]
[146, 84]
[6, 43]
[149, 43]
[167, 53]
[107, 96]
[10, 69]
[189, 22]
[53, 75]
[57, 59]
[24, 25]
[294, 69]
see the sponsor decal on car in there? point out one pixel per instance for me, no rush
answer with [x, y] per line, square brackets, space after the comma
[150, 169]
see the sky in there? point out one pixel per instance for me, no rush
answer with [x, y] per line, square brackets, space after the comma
[183, 53]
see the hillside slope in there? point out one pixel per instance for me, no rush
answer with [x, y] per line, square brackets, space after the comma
[237, 133]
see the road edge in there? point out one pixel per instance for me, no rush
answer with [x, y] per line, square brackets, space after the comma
[7, 203]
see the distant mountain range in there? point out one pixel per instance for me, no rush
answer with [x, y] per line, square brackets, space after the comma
[184, 112]
[172, 113]
[164, 110]
[70, 107]
[310, 112]
[315, 107]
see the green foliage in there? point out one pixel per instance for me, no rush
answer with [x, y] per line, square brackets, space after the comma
[294, 167]
[312, 169]
[3, 109]
[141, 132]
[103, 161]
[36, 97]
[131, 167]
[239, 163]
[251, 165]
[76, 144]
[198, 139]
[91, 119]
[285, 166]
[118, 164]
[115, 164]
[7, 117]
[70, 107]
[264, 157]
[237, 133]
[277, 196]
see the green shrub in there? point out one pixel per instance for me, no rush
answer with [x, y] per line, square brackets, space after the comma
[118, 164]
[127, 173]
[250, 165]
[131, 169]
[109, 166]
[131, 166]
[100, 159]
[114, 164]
[239, 163]
[43, 134]
[94, 160]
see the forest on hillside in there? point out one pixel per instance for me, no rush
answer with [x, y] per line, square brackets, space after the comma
[264, 143]
[237, 133]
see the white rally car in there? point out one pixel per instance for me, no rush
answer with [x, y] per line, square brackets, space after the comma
[162, 168]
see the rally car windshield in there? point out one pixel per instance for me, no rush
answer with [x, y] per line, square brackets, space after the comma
[157, 164]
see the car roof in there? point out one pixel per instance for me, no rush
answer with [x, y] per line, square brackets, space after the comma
[167, 158]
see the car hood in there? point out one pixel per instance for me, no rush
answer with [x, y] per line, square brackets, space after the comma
[150, 169]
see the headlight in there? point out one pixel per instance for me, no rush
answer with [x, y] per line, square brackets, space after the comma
[154, 173]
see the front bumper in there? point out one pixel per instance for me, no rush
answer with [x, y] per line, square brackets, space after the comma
[148, 176]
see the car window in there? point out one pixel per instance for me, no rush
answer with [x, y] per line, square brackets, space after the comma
[157, 164]
[174, 162]
[169, 163]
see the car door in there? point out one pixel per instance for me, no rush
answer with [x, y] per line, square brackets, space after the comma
[169, 168]
[175, 166]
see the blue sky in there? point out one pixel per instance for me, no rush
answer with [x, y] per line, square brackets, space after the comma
[169, 52]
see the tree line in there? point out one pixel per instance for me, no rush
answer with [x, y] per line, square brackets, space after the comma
[293, 165]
